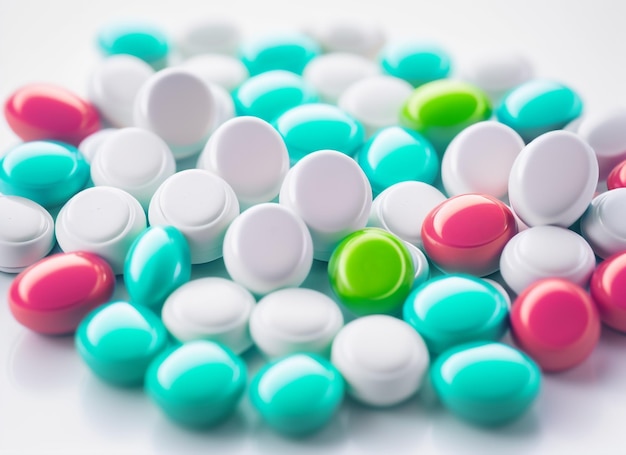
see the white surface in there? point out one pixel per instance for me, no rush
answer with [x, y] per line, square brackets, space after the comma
[204, 36]
[604, 223]
[605, 131]
[224, 70]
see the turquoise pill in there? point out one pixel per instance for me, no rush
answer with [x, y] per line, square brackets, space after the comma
[317, 126]
[269, 94]
[289, 52]
[486, 383]
[47, 172]
[415, 62]
[539, 106]
[198, 384]
[118, 341]
[397, 154]
[144, 41]
[298, 394]
[454, 309]
[158, 262]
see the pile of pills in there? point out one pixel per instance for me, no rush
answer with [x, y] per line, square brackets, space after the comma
[448, 206]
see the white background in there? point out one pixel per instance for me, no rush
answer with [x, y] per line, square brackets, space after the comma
[50, 403]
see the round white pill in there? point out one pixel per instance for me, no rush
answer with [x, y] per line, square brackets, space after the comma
[179, 107]
[199, 204]
[268, 247]
[604, 223]
[546, 252]
[479, 160]
[114, 85]
[402, 208]
[102, 220]
[212, 308]
[90, 145]
[606, 134]
[497, 71]
[295, 320]
[224, 70]
[553, 179]
[251, 156]
[420, 263]
[134, 160]
[349, 35]
[382, 359]
[330, 192]
[207, 36]
[26, 233]
[331, 74]
[224, 105]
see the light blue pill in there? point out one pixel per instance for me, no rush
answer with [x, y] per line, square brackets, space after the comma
[289, 52]
[415, 62]
[144, 41]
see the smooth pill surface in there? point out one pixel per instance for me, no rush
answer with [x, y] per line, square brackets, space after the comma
[226, 71]
[617, 177]
[604, 225]
[53, 295]
[224, 105]
[608, 290]
[415, 62]
[289, 52]
[142, 40]
[213, 35]
[605, 134]
[420, 264]
[349, 35]
[497, 71]
[90, 145]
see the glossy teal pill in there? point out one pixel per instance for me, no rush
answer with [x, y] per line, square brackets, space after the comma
[289, 52]
[298, 394]
[415, 62]
[318, 126]
[396, 154]
[118, 341]
[539, 106]
[269, 94]
[486, 383]
[198, 384]
[144, 41]
[47, 172]
[454, 309]
[158, 262]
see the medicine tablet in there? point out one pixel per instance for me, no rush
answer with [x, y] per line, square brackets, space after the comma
[211, 308]
[606, 135]
[209, 36]
[382, 359]
[349, 35]
[286, 51]
[224, 105]
[604, 223]
[608, 290]
[140, 39]
[415, 62]
[102, 220]
[617, 177]
[90, 145]
[497, 71]
[226, 71]
[201, 205]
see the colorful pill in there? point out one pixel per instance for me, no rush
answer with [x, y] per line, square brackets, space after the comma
[142, 40]
[608, 290]
[617, 177]
[415, 62]
[289, 52]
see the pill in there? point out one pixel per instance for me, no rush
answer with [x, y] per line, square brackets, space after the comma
[224, 105]
[199, 204]
[178, 106]
[467, 233]
[117, 341]
[212, 308]
[330, 192]
[487, 384]
[47, 172]
[54, 294]
[556, 323]
[224, 70]
[382, 359]
[295, 320]
[287, 51]
[539, 198]
[538, 106]
[497, 71]
[603, 225]
[395, 154]
[213, 35]
[371, 271]
[102, 220]
[47, 111]
[350, 35]
[605, 134]
[451, 310]
[268, 247]
[608, 290]
[414, 61]
[543, 252]
[134, 160]
[90, 145]
[142, 40]
[297, 395]
[420, 265]
[479, 160]
[198, 384]
[617, 177]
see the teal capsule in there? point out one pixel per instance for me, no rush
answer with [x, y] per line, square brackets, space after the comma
[539, 106]
[269, 94]
[455, 309]
[47, 172]
[415, 62]
[289, 52]
[144, 41]
[197, 384]
[157, 263]
[397, 154]
[298, 394]
[118, 341]
[318, 126]
[486, 383]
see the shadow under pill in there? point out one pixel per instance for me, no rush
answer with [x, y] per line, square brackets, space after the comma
[210, 269]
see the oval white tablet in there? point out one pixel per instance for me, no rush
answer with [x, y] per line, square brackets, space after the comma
[212, 308]
[606, 134]
[268, 247]
[604, 223]
[251, 156]
[553, 179]
[497, 71]
[90, 145]
[349, 35]
[206, 36]
[134, 160]
[295, 320]
[102, 220]
[330, 192]
[382, 359]
[479, 160]
[546, 252]
[224, 70]
[199, 204]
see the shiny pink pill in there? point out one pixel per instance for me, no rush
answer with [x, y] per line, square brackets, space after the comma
[608, 290]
